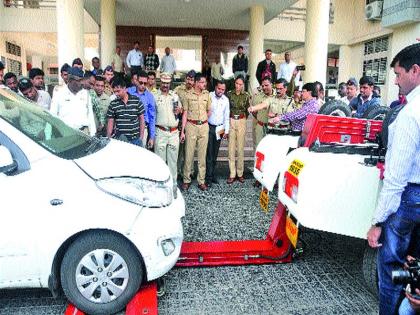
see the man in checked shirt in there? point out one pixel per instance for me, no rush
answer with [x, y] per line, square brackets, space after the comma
[396, 223]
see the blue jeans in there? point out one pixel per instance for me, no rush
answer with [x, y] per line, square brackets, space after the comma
[399, 231]
[137, 142]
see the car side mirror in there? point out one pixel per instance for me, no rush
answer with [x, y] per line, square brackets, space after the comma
[7, 164]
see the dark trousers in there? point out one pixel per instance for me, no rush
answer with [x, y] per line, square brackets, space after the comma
[400, 236]
[212, 153]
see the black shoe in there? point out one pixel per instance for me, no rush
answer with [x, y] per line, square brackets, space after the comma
[215, 180]
[208, 183]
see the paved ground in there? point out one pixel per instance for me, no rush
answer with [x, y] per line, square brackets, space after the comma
[326, 280]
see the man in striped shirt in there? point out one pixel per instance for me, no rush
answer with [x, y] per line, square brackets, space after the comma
[125, 115]
[396, 223]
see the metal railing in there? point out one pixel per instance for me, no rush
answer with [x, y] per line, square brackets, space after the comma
[30, 4]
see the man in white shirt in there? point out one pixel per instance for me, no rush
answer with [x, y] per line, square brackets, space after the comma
[117, 63]
[134, 59]
[28, 90]
[167, 63]
[218, 129]
[73, 105]
[286, 69]
[396, 221]
[216, 72]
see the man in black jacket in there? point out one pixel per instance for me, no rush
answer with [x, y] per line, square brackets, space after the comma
[266, 68]
[240, 63]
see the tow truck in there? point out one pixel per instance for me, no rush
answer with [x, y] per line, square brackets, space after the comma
[330, 181]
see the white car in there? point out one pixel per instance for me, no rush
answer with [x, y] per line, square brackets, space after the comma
[95, 217]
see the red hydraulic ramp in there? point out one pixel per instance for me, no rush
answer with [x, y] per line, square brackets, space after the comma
[275, 248]
[143, 303]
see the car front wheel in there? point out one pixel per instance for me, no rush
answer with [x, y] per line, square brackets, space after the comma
[100, 273]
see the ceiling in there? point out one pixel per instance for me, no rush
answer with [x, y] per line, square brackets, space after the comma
[216, 14]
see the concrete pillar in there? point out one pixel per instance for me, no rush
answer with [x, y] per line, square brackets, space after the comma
[36, 62]
[346, 62]
[70, 30]
[316, 40]
[256, 42]
[108, 31]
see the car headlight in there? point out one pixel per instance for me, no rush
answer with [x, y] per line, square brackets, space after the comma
[140, 191]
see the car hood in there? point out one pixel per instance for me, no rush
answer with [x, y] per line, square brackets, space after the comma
[124, 159]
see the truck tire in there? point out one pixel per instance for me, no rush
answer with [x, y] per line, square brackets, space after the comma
[335, 108]
[389, 118]
[101, 272]
[376, 112]
[370, 272]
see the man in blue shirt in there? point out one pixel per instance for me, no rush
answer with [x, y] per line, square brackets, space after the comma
[149, 104]
[366, 98]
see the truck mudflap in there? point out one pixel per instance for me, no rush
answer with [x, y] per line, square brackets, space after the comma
[270, 156]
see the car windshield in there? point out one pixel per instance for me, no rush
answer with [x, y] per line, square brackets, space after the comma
[45, 129]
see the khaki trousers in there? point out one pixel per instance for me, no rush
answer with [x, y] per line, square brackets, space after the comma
[196, 136]
[167, 146]
[237, 131]
[259, 134]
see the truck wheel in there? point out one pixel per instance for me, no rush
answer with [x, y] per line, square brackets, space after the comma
[370, 272]
[101, 272]
[376, 112]
[335, 108]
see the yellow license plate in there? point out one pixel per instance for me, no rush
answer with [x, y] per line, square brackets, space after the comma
[264, 199]
[291, 230]
[296, 167]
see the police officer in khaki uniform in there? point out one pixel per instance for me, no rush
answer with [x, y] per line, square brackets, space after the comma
[239, 102]
[168, 108]
[280, 104]
[261, 116]
[195, 130]
[182, 91]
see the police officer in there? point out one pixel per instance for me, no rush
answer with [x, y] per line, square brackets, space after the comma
[181, 91]
[239, 102]
[195, 130]
[168, 108]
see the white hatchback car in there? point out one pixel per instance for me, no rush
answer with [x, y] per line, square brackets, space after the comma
[95, 217]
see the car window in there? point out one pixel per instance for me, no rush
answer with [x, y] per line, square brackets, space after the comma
[42, 127]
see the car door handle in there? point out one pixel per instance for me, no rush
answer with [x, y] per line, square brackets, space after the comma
[56, 202]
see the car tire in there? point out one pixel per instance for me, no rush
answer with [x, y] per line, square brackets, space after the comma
[99, 289]
[370, 271]
[376, 112]
[388, 120]
[335, 108]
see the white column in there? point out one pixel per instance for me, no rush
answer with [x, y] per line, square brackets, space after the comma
[70, 30]
[108, 31]
[346, 62]
[316, 40]
[36, 61]
[256, 43]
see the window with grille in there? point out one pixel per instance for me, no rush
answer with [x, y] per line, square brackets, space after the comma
[13, 49]
[14, 66]
[375, 59]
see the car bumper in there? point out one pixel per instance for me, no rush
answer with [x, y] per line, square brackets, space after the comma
[158, 234]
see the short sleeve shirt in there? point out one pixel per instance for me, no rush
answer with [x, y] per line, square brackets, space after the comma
[238, 103]
[165, 116]
[197, 105]
[279, 105]
[126, 116]
[262, 115]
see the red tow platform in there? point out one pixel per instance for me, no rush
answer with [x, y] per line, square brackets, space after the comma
[276, 248]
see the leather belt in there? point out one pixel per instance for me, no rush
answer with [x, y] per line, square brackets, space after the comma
[272, 125]
[197, 122]
[261, 123]
[236, 117]
[170, 129]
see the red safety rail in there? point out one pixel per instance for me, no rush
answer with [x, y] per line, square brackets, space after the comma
[275, 248]
[327, 129]
[144, 302]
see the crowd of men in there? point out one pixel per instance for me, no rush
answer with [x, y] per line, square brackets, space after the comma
[176, 123]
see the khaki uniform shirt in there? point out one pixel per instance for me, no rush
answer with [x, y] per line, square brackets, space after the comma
[118, 63]
[182, 91]
[108, 89]
[165, 116]
[239, 103]
[262, 115]
[197, 105]
[278, 105]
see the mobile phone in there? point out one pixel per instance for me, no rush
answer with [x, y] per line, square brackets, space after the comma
[300, 68]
